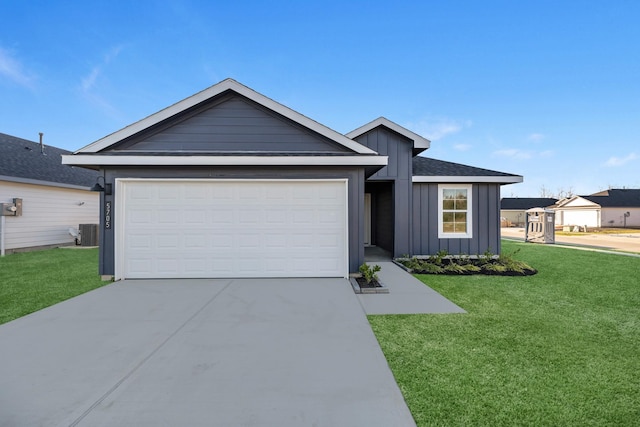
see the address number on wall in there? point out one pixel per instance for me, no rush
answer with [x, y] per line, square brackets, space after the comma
[107, 215]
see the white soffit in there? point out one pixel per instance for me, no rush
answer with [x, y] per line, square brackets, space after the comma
[469, 179]
[418, 141]
[217, 89]
[106, 160]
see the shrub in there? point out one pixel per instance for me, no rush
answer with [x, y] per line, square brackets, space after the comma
[487, 263]
[430, 268]
[454, 268]
[369, 272]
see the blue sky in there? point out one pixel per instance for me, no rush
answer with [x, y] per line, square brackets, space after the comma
[545, 89]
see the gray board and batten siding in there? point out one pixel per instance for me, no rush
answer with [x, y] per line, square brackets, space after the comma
[412, 208]
[398, 173]
[355, 191]
[485, 221]
[229, 124]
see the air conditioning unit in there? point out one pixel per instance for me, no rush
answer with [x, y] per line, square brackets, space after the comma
[89, 235]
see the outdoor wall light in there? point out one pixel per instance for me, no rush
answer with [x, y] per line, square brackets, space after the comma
[97, 187]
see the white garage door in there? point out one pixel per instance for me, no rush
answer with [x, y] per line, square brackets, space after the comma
[220, 228]
[584, 217]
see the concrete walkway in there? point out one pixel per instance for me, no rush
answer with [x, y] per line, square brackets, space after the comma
[200, 353]
[407, 295]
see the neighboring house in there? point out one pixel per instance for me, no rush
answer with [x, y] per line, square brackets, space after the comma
[609, 208]
[229, 183]
[512, 209]
[55, 197]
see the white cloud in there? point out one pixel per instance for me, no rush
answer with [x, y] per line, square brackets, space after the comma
[619, 161]
[437, 128]
[514, 153]
[462, 147]
[518, 154]
[535, 137]
[13, 69]
[90, 84]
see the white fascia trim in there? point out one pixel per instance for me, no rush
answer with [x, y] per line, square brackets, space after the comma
[227, 84]
[418, 141]
[98, 160]
[467, 179]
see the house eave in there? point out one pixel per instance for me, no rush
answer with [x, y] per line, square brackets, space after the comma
[215, 90]
[20, 180]
[107, 160]
[468, 179]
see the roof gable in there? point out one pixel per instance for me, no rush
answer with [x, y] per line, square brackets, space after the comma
[196, 101]
[230, 123]
[419, 143]
[22, 160]
[431, 170]
[577, 201]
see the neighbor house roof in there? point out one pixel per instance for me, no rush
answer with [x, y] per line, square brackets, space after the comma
[431, 170]
[524, 203]
[616, 198]
[24, 161]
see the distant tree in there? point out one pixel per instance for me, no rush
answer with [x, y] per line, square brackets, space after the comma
[560, 193]
[545, 193]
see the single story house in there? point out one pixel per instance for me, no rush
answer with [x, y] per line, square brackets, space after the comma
[55, 197]
[230, 183]
[608, 208]
[513, 209]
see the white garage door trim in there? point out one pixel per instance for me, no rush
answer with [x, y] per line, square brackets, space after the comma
[330, 259]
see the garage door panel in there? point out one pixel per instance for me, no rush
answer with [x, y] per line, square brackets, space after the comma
[138, 241]
[233, 229]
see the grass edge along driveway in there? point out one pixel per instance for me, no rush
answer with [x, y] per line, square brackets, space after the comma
[558, 348]
[31, 281]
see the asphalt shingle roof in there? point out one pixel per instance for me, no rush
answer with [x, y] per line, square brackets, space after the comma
[424, 166]
[21, 158]
[524, 203]
[616, 198]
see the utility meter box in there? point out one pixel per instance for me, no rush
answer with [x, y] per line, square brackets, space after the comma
[11, 209]
[540, 226]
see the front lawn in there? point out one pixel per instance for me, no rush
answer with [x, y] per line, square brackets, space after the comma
[31, 281]
[556, 349]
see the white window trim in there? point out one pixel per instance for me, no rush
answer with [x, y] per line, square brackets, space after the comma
[469, 233]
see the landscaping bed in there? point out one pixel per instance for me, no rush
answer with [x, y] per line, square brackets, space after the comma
[486, 264]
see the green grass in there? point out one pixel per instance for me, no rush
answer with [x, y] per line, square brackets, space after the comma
[561, 348]
[31, 281]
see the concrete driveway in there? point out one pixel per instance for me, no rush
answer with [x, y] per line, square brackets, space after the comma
[265, 352]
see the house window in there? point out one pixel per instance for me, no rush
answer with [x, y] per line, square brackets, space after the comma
[454, 211]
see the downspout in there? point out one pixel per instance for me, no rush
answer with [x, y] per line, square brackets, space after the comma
[2, 228]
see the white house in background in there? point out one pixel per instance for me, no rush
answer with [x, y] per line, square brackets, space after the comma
[55, 197]
[609, 208]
